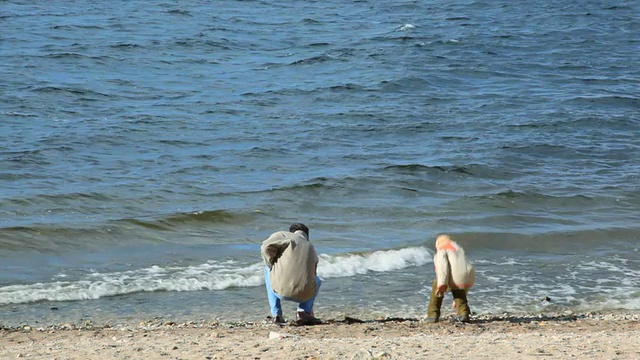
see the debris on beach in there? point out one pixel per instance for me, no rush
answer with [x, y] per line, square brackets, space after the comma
[280, 335]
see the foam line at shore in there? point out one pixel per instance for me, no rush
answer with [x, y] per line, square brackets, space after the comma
[213, 275]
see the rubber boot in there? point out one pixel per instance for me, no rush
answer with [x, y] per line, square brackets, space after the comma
[462, 305]
[435, 303]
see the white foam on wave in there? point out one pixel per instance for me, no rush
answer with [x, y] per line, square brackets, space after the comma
[379, 261]
[591, 285]
[213, 275]
[406, 27]
[209, 276]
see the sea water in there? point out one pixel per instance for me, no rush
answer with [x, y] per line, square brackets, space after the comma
[147, 148]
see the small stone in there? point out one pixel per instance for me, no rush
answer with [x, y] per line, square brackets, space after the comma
[362, 354]
[279, 335]
[382, 355]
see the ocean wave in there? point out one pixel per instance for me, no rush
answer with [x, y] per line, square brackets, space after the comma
[589, 284]
[17, 114]
[179, 12]
[457, 18]
[546, 151]
[55, 201]
[550, 242]
[320, 91]
[529, 202]
[214, 216]
[69, 90]
[79, 229]
[77, 26]
[417, 168]
[224, 44]
[409, 85]
[379, 261]
[55, 238]
[471, 170]
[528, 195]
[611, 101]
[125, 45]
[213, 276]
[72, 55]
[208, 216]
[314, 60]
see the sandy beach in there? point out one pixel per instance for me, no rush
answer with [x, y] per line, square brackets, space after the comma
[560, 336]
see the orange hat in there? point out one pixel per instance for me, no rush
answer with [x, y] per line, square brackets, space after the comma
[442, 241]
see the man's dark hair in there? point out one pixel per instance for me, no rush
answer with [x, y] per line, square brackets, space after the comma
[298, 226]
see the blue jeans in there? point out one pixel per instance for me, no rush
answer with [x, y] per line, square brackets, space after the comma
[274, 299]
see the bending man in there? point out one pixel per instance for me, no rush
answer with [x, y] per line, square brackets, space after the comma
[290, 273]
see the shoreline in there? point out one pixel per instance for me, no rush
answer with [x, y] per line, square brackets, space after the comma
[160, 323]
[564, 335]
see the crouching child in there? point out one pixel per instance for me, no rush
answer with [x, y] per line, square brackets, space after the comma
[454, 272]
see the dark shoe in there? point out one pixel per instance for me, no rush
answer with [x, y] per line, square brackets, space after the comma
[431, 320]
[462, 318]
[278, 320]
[302, 318]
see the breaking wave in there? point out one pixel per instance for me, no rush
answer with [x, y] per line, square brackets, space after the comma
[212, 276]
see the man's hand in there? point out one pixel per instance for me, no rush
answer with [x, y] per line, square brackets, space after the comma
[441, 290]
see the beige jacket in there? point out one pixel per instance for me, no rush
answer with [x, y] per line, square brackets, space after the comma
[293, 262]
[452, 266]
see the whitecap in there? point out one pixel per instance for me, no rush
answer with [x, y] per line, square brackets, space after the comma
[406, 27]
